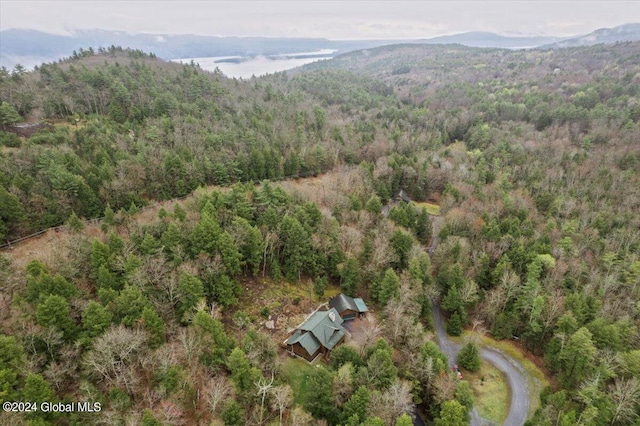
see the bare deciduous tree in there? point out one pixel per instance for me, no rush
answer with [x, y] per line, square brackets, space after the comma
[264, 387]
[443, 389]
[217, 390]
[469, 292]
[393, 402]
[367, 333]
[282, 399]
[625, 394]
[191, 344]
[171, 413]
[62, 372]
[299, 417]
[114, 353]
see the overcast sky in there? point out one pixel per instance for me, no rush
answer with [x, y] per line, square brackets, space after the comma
[329, 19]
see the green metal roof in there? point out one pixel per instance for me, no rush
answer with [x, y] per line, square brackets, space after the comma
[362, 307]
[321, 328]
[342, 302]
[306, 340]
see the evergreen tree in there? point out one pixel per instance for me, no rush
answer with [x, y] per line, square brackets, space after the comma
[318, 398]
[154, 325]
[233, 415]
[350, 275]
[190, 291]
[464, 395]
[320, 285]
[37, 389]
[127, 307]
[53, 311]
[354, 411]
[381, 369]
[404, 420]
[74, 223]
[230, 254]
[8, 115]
[106, 279]
[204, 235]
[452, 413]
[431, 350]
[389, 287]
[577, 357]
[222, 289]
[220, 345]
[454, 325]
[95, 319]
[11, 362]
[469, 357]
[401, 244]
[374, 205]
[296, 253]
[345, 354]
[11, 211]
[242, 374]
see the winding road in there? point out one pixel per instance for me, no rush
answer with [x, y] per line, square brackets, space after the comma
[511, 368]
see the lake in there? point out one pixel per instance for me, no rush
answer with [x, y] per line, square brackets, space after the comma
[246, 67]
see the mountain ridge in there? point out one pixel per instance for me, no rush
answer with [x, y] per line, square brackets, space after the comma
[32, 47]
[625, 32]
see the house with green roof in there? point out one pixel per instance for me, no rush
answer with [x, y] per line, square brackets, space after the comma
[349, 308]
[318, 335]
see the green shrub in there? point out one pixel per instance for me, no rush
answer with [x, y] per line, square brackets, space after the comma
[9, 139]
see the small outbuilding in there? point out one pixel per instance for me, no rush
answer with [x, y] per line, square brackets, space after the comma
[319, 334]
[349, 308]
[402, 196]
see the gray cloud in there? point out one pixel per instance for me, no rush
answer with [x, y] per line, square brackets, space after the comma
[330, 19]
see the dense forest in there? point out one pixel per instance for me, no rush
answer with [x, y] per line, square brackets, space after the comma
[533, 156]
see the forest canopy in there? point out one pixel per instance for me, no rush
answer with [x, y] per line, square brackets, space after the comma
[213, 193]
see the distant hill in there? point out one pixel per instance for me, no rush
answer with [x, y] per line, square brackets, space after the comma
[486, 39]
[626, 32]
[29, 48]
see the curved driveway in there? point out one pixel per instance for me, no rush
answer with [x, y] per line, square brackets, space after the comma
[511, 368]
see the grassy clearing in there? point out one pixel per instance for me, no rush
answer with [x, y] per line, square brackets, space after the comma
[297, 373]
[536, 379]
[432, 209]
[491, 392]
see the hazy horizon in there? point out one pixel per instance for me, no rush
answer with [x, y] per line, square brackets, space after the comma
[348, 20]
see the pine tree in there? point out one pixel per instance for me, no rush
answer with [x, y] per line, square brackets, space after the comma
[190, 291]
[154, 325]
[320, 286]
[297, 251]
[354, 411]
[350, 275]
[8, 115]
[454, 325]
[242, 374]
[389, 286]
[469, 357]
[11, 211]
[95, 319]
[318, 398]
[53, 311]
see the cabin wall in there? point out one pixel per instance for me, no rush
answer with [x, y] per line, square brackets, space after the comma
[348, 314]
[302, 352]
